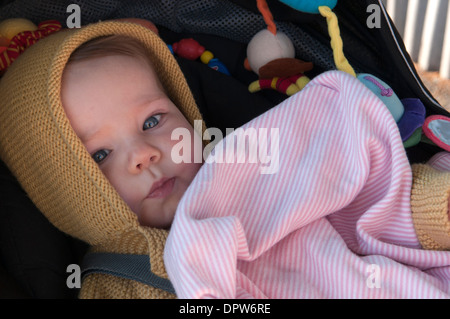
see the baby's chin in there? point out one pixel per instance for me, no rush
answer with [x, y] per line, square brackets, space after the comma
[160, 213]
[163, 220]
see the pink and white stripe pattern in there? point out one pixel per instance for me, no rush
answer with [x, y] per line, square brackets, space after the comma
[333, 222]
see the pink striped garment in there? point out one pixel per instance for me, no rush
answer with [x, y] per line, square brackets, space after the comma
[333, 222]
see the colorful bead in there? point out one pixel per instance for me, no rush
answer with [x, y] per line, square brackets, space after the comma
[206, 56]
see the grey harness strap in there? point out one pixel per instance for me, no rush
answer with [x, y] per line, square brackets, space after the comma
[135, 267]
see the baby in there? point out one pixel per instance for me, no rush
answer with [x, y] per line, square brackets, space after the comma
[122, 114]
[85, 127]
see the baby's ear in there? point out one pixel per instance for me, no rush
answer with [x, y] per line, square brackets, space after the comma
[145, 23]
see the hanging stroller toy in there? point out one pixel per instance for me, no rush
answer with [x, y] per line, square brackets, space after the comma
[271, 55]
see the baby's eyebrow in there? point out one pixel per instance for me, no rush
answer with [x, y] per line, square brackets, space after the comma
[146, 100]
[142, 102]
[89, 136]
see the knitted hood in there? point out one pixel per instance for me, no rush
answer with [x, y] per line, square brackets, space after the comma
[41, 149]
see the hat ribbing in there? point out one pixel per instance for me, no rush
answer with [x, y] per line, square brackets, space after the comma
[430, 206]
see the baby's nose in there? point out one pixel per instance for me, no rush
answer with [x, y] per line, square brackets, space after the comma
[143, 156]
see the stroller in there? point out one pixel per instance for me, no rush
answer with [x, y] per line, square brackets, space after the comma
[34, 255]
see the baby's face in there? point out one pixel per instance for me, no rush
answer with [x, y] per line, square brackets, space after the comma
[118, 109]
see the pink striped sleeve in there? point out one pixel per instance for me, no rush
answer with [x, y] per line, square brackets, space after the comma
[332, 221]
[440, 161]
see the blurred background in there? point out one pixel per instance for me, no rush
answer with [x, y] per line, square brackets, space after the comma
[425, 28]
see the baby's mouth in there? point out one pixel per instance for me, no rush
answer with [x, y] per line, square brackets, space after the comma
[162, 188]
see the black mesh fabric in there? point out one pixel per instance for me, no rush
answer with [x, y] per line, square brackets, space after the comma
[216, 17]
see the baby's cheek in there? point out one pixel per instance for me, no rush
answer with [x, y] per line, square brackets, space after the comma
[121, 185]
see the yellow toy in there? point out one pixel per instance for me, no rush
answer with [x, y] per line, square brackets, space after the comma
[336, 42]
[10, 27]
[324, 7]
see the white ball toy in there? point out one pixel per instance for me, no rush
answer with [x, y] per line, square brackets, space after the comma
[266, 47]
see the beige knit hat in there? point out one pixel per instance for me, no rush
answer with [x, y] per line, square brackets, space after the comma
[41, 149]
[430, 206]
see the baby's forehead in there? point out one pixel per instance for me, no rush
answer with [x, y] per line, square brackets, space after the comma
[108, 88]
[120, 67]
[113, 62]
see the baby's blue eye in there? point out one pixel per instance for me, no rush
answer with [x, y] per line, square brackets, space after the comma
[100, 156]
[151, 122]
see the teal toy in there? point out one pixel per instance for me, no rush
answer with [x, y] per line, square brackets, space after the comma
[309, 6]
[384, 92]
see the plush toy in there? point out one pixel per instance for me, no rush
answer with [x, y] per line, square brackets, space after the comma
[410, 124]
[24, 39]
[408, 113]
[9, 28]
[3, 48]
[436, 129]
[4, 42]
[271, 55]
[384, 93]
[13, 44]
